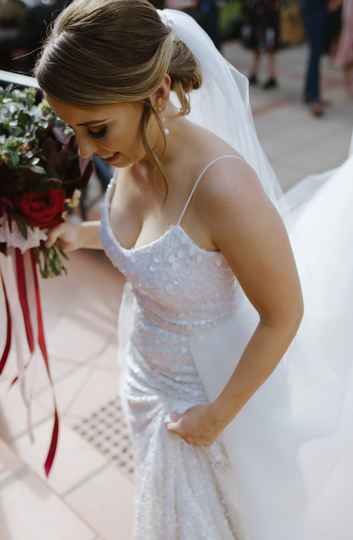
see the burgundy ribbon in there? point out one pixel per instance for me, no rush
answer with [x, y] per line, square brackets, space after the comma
[43, 347]
[8, 342]
[22, 291]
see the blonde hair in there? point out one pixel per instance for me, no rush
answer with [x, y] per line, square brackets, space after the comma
[113, 51]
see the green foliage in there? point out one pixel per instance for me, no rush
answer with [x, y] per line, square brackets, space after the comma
[36, 147]
[25, 121]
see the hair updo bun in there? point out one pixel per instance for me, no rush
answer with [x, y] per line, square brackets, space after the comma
[185, 73]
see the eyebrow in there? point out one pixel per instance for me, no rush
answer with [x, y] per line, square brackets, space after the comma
[92, 122]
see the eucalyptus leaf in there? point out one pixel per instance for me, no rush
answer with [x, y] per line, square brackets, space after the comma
[62, 253]
[38, 170]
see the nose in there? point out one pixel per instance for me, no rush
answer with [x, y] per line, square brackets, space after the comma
[86, 148]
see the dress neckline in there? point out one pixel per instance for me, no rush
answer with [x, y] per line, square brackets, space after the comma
[172, 228]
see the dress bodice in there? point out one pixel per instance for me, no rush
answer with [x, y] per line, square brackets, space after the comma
[172, 277]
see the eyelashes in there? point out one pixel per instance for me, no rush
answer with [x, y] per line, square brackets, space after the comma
[98, 134]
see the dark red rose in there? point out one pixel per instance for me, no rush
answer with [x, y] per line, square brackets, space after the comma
[43, 210]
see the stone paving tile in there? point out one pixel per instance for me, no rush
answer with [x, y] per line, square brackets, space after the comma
[288, 133]
[82, 392]
[13, 418]
[106, 502]
[29, 510]
[76, 459]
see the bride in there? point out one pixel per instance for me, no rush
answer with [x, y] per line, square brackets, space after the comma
[238, 401]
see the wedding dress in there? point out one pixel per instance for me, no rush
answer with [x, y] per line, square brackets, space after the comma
[175, 287]
[283, 468]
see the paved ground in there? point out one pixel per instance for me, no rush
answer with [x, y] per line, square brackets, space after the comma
[89, 495]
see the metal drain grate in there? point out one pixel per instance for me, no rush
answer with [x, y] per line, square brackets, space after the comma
[107, 431]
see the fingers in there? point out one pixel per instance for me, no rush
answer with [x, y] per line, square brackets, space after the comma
[192, 440]
[53, 236]
[175, 428]
[178, 427]
[188, 440]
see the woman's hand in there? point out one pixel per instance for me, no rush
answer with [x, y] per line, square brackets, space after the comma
[199, 425]
[68, 236]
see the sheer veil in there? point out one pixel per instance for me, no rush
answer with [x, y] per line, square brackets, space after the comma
[222, 103]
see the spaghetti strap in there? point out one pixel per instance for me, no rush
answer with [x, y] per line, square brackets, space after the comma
[199, 178]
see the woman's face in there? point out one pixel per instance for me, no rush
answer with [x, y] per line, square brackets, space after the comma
[109, 131]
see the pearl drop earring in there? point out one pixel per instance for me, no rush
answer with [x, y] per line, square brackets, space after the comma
[165, 129]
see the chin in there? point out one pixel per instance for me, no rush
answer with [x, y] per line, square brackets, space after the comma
[122, 162]
[115, 159]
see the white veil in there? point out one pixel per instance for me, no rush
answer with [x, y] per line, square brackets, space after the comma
[222, 103]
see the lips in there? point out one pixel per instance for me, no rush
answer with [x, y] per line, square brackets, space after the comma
[111, 158]
[108, 157]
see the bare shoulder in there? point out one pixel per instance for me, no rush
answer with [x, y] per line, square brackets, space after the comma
[229, 184]
[234, 204]
[228, 188]
[245, 226]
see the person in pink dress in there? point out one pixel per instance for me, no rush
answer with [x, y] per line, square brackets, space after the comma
[344, 57]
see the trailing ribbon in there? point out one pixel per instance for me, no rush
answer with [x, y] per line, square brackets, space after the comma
[27, 320]
[22, 294]
[43, 348]
[8, 341]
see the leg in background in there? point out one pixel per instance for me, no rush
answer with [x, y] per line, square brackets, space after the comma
[255, 66]
[315, 25]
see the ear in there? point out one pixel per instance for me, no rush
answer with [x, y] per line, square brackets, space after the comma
[161, 96]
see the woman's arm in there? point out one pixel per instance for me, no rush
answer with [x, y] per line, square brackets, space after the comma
[72, 236]
[251, 235]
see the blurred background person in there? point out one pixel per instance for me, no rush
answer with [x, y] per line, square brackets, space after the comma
[29, 29]
[315, 17]
[207, 15]
[260, 34]
[205, 12]
[333, 27]
[159, 4]
[12, 13]
[344, 57]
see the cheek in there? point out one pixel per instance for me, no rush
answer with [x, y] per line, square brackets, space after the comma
[125, 138]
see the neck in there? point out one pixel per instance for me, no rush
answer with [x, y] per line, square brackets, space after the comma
[176, 126]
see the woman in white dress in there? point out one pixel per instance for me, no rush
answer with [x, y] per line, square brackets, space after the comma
[237, 405]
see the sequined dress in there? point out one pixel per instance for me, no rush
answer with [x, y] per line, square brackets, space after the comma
[176, 287]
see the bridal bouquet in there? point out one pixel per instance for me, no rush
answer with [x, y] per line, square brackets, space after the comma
[41, 179]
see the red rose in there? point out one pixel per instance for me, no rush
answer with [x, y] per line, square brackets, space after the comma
[43, 210]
